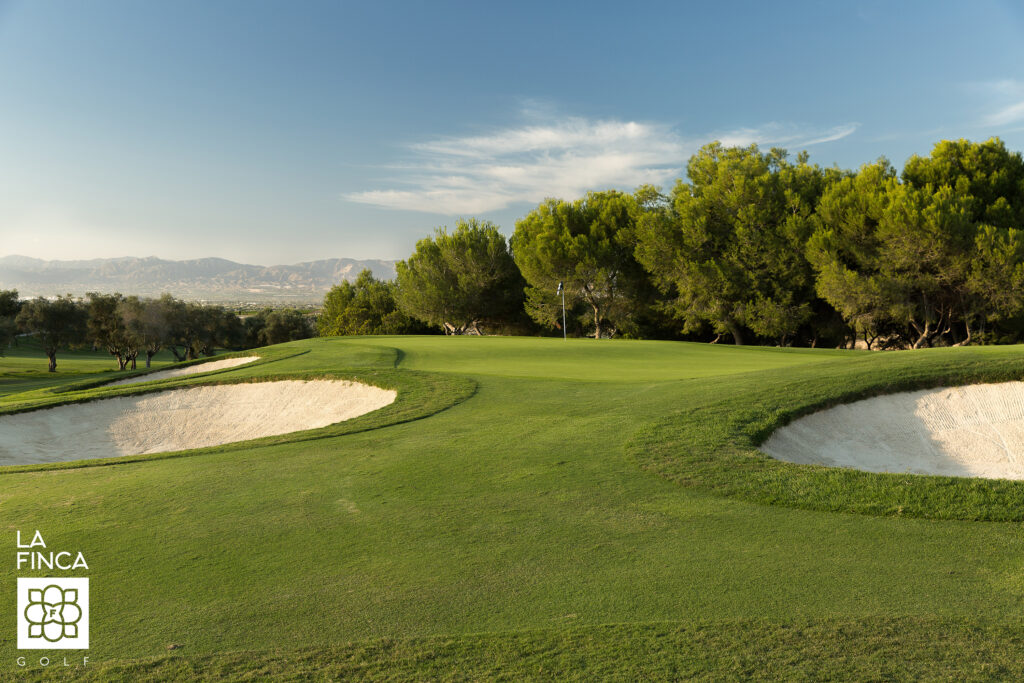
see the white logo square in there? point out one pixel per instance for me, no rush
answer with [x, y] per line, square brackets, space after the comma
[53, 614]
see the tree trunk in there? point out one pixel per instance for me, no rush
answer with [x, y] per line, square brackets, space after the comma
[149, 357]
[966, 340]
[597, 322]
[52, 355]
[177, 356]
[924, 334]
[734, 330]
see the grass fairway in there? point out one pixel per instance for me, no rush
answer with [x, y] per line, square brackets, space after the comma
[23, 367]
[579, 510]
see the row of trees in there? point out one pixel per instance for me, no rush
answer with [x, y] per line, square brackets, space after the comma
[127, 326]
[752, 246]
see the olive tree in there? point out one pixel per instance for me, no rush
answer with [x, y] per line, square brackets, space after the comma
[58, 323]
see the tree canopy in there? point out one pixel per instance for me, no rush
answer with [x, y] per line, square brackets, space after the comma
[58, 323]
[277, 327]
[587, 245]
[728, 249]
[366, 306]
[936, 258]
[460, 280]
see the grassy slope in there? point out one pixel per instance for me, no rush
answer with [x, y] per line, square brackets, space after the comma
[710, 439]
[518, 513]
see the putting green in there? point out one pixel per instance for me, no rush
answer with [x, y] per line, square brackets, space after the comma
[534, 528]
[582, 359]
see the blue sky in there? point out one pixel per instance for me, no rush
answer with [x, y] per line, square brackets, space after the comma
[275, 132]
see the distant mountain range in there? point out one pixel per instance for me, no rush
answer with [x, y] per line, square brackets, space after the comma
[209, 279]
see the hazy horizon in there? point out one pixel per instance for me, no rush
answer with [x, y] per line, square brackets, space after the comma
[198, 258]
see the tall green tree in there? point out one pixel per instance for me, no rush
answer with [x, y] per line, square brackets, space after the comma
[846, 250]
[366, 306]
[148, 324]
[198, 329]
[215, 326]
[58, 323]
[106, 327]
[587, 245]
[729, 249]
[461, 280]
[189, 320]
[987, 181]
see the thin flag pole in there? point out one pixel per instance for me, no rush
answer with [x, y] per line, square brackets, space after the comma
[561, 290]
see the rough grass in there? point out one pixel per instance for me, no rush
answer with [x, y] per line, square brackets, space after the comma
[864, 649]
[513, 535]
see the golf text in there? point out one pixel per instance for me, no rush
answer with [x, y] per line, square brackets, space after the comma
[45, 662]
[38, 559]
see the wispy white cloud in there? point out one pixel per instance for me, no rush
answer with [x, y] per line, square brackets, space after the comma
[784, 135]
[1009, 114]
[1006, 102]
[564, 157]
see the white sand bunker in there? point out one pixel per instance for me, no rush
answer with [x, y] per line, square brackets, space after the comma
[182, 418]
[190, 370]
[971, 431]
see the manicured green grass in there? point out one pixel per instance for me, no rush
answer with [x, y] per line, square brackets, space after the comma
[582, 359]
[23, 367]
[521, 532]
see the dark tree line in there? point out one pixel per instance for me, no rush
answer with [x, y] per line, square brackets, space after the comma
[753, 247]
[127, 326]
[10, 306]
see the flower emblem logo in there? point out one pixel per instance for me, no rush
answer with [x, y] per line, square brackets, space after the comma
[53, 613]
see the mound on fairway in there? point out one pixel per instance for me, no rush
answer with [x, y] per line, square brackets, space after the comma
[190, 370]
[180, 419]
[969, 431]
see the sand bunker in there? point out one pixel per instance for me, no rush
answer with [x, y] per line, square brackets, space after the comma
[190, 370]
[181, 418]
[971, 431]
